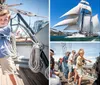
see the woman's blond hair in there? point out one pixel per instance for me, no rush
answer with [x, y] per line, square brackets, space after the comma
[80, 50]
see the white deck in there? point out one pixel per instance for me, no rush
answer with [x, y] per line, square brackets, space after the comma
[25, 77]
[5, 80]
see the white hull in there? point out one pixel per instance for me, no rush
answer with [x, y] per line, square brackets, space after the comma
[77, 35]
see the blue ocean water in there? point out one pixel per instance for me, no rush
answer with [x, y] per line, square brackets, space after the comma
[64, 38]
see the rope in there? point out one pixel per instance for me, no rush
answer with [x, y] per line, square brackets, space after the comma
[34, 61]
[47, 73]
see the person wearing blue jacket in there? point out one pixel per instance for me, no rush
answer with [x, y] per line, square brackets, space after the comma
[6, 61]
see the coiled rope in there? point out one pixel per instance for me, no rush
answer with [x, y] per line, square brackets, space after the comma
[47, 73]
[34, 61]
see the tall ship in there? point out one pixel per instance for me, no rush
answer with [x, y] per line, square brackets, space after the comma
[80, 18]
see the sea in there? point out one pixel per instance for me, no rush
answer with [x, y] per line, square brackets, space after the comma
[64, 38]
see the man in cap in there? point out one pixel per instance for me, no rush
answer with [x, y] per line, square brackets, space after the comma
[54, 79]
[6, 61]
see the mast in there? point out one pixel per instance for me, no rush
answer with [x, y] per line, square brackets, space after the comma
[83, 13]
[91, 27]
[86, 10]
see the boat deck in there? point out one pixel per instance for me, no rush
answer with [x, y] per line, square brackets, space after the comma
[85, 81]
[25, 77]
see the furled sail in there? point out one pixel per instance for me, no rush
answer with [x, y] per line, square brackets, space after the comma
[96, 23]
[72, 27]
[69, 21]
[73, 11]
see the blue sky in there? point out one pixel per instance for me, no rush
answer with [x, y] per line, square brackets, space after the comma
[59, 7]
[39, 7]
[91, 49]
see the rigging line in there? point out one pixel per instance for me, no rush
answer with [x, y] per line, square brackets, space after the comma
[15, 24]
[30, 21]
[11, 22]
[28, 29]
[21, 26]
[28, 33]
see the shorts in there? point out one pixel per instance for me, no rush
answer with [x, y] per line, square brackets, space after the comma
[7, 65]
[70, 67]
[80, 72]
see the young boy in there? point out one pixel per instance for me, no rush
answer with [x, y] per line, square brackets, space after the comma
[6, 61]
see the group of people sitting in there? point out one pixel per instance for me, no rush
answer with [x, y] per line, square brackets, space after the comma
[71, 65]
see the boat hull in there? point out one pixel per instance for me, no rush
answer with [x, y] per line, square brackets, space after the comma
[64, 38]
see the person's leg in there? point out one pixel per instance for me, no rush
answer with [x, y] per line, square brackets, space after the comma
[69, 74]
[8, 67]
[67, 71]
[75, 77]
[12, 78]
[80, 79]
[62, 67]
[80, 74]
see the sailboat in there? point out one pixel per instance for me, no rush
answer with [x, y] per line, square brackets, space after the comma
[80, 18]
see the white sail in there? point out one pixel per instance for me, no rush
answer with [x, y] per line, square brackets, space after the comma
[70, 20]
[73, 27]
[87, 7]
[73, 11]
[96, 23]
[84, 2]
[86, 23]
